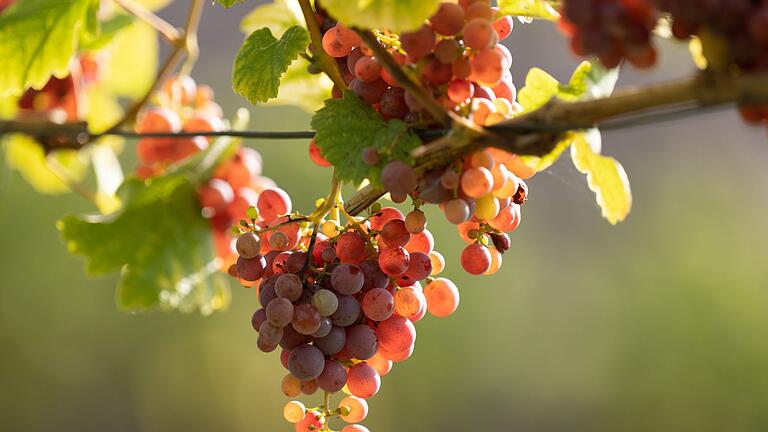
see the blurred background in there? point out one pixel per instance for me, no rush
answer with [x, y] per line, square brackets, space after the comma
[659, 323]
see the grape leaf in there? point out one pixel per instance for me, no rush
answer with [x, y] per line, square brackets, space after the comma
[158, 241]
[589, 81]
[38, 38]
[46, 174]
[109, 30]
[605, 176]
[346, 126]
[539, 88]
[394, 15]
[262, 60]
[131, 75]
[229, 3]
[298, 87]
[544, 9]
[276, 16]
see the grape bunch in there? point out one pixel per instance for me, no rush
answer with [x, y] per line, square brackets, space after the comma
[62, 99]
[183, 106]
[457, 56]
[739, 25]
[340, 301]
[611, 30]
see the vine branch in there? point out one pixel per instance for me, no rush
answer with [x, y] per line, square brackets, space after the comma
[168, 31]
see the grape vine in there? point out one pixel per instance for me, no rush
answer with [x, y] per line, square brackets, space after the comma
[413, 101]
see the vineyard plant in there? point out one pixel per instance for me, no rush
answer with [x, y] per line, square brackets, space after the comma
[413, 106]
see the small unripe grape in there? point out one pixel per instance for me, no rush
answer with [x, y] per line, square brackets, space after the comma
[450, 179]
[309, 387]
[294, 411]
[487, 207]
[326, 302]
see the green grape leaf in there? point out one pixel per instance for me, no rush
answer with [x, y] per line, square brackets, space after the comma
[262, 60]
[131, 75]
[298, 87]
[394, 15]
[346, 126]
[38, 39]
[229, 3]
[543, 9]
[605, 175]
[277, 17]
[158, 240]
[47, 174]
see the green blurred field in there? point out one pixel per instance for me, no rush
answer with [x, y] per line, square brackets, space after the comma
[658, 324]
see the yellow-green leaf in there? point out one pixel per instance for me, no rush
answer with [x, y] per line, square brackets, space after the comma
[262, 61]
[132, 64]
[394, 15]
[544, 9]
[539, 88]
[276, 16]
[605, 176]
[47, 175]
[300, 88]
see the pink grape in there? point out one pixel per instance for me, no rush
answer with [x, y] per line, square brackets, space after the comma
[378, 304]
[333, 342]
[394, 260]
[273, 203]
[475, 259]
[350, 248]
[280, 312]
[442, 297]
[394, 233]
[363, 381]
[383, 216]
[396, 334]
[448, 20]
[418, 43]
[478, 34]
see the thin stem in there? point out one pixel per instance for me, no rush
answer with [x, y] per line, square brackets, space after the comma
[413, 88]
[328, 63]
[329, 203]
[168, 31]
[191, 28]
[76, 186]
